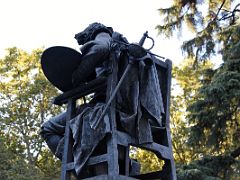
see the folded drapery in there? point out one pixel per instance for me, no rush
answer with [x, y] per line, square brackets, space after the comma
[138, 104]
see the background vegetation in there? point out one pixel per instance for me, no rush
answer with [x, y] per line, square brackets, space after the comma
[205, 102]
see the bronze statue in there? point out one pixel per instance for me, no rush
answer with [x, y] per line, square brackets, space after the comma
[95, 40]
[139, 99]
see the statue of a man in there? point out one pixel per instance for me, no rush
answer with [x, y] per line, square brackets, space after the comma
[96, 40]
[139, 101]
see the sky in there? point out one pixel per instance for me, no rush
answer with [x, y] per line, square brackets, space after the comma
[31, 24]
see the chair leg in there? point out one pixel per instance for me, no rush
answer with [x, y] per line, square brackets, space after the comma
[67, 153]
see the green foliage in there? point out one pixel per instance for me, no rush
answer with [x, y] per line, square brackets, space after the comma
[208, 21]
[193, 132]
[25, 103]
[209, 167]
[188, 81]
[215, 115]
[148, 160]
[49, 165]
[14, 167]
[209, 126]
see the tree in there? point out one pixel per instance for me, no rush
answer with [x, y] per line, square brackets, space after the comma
[213, 23]
[148, 161]
[13, 166]
[213, 115]
[187, 81]
[25, 104]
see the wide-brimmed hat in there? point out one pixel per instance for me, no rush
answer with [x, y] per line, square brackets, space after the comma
[58, 64]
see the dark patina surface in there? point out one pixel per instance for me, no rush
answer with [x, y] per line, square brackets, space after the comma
[128, 106]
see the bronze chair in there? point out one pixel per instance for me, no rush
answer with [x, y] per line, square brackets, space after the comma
[114, 162]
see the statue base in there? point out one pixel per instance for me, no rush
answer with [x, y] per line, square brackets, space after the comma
[108, 177]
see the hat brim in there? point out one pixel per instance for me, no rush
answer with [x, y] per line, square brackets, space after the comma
[58, 64]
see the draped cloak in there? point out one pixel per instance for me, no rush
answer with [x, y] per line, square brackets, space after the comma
[139, 105]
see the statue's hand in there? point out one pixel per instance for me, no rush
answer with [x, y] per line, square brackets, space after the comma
[136, 50]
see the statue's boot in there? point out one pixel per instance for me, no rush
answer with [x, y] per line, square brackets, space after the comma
[52, 131]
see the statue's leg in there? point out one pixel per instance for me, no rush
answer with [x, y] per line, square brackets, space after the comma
[52, 131]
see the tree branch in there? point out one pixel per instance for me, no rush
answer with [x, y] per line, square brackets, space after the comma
[219, 9]
[235, 153]
[230, 14]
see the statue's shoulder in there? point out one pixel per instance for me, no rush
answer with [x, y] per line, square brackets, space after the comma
[119, 37]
